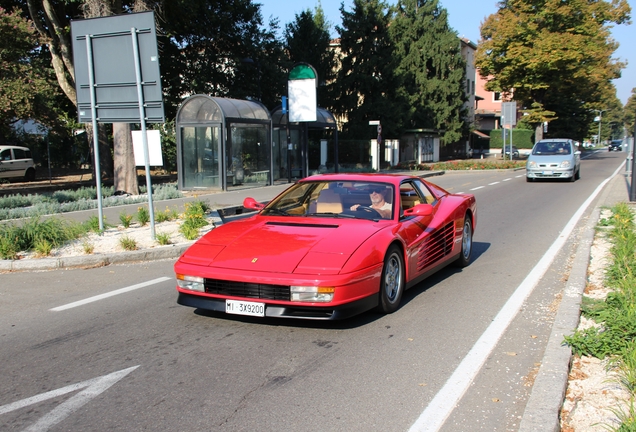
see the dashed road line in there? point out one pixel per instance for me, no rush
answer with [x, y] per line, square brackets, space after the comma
[109, 294]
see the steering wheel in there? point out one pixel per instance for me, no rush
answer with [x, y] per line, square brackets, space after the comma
[370, 211]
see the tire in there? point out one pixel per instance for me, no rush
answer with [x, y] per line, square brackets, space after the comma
[467, 243]
[577, 176]
[529, 180]
[392, 282]
[29, 175]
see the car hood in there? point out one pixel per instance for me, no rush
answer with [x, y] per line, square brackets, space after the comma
[551, 159]
[279, 245]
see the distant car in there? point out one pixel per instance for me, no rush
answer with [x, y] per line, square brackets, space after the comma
[329, 247]
[615, 145]
[557, 158]
[16, 162]
[515, 152]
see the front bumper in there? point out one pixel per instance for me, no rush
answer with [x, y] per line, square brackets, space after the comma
[324, 313]
[553, 173]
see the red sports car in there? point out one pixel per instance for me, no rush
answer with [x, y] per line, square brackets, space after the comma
[329, 247]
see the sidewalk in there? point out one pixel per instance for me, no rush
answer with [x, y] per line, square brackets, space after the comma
[548, 392]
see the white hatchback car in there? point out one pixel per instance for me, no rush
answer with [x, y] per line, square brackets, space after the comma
[555, 158]
[16, 162]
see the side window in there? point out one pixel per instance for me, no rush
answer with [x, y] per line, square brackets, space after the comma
[19, 154]
[5, 155]
[426, 192]
[410, 196]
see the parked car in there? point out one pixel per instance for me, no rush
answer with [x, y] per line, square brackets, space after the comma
[557, 158]
[16, 162]
[506, 151]
[329, 247]
[615, 145]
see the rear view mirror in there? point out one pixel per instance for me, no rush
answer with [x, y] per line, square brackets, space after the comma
[252, 204]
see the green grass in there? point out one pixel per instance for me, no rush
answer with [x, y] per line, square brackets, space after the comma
[38, 235]
[615, 337]
[128, 243]
[194, 219]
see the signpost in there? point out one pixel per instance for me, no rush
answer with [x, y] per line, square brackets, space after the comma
[301, 101]
[509, 118]
[117, 80]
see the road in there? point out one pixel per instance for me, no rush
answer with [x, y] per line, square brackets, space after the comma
[136, 360]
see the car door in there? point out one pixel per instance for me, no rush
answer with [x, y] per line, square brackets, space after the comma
[7, 167]
[427, 240]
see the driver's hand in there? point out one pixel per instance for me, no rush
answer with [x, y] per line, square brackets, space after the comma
[355, 206]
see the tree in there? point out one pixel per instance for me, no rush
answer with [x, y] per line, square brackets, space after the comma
[431, 69]
[26, 90]
[367, 83]
[553, 53]
[630, 113]
[307, 40]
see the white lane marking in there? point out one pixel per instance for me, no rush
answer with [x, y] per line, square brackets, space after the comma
[507, 179]
[92, 388]
[520, 175]
[436, 413]
[109, 294]
[493, 183]
[478, 187]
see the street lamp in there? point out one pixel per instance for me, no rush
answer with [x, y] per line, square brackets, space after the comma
[600, 118]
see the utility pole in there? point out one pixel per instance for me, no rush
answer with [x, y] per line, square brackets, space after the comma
[600, 119]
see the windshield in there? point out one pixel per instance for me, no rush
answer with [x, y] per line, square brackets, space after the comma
[552, 148]
[352, 199]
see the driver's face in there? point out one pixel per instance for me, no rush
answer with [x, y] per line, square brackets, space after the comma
[376, 197]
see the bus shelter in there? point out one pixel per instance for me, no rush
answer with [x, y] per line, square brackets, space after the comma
[223, 143]
[294, 159]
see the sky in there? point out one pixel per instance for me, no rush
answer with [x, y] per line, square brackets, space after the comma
[465, 17]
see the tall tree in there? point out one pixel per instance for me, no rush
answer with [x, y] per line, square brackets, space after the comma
[630, 114]
[431, 68]
[307, 40]
[367, 83]
[556, 54]
[26, 90]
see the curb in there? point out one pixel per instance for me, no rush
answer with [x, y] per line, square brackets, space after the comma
[158, 253]
[548, 391]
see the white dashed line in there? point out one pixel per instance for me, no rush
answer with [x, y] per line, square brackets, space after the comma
[109, 294]
[493, 183]
[478, 187]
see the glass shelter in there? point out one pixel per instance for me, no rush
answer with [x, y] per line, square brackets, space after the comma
[293, 160]
[223, 144]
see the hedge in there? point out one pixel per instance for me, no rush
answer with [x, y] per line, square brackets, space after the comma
[521, 138]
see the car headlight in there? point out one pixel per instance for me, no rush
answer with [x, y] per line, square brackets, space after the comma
[532, 164]
[192, 283]
[311, 294]
[565, 164]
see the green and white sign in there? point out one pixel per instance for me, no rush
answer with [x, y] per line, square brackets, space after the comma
[301, 91]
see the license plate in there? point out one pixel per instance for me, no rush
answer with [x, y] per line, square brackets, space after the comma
[548, 172]
[238, 307]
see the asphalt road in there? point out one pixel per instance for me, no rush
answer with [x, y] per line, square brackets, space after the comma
[138, 361]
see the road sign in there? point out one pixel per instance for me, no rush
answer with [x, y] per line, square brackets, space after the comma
[509, 113]
[106, 63]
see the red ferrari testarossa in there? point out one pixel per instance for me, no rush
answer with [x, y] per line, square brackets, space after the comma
[329, 247]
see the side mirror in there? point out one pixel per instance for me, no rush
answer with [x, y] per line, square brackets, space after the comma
[419, 210]
[252, 204]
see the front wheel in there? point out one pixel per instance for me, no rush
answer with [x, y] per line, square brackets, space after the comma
[392, 283]
[467, 243]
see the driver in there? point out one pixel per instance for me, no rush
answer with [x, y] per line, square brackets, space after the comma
[378, 202]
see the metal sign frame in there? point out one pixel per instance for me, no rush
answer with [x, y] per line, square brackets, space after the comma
[117, 80]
